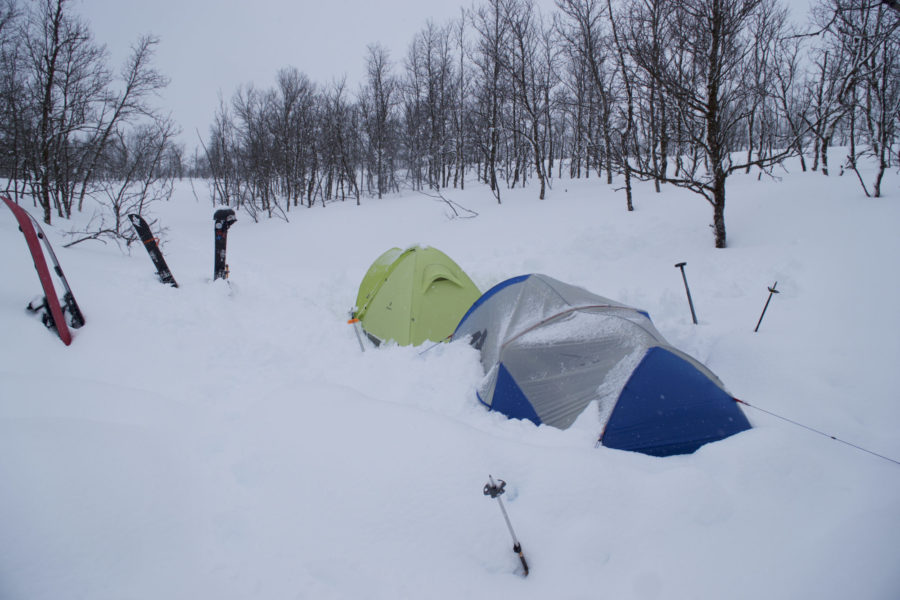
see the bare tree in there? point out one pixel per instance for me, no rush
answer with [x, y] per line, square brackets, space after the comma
[708, 91]
[530, 78]
[293, 126]
[430, 95]
[714, 86]
[14, 119]
[488, 57]
[415, 132]
[254, 111]
[864, 39]
[648, 19]
[627, 136]
[758, 73]
[574, 103]
[135, 176]
[68, 74]
[340, 144]
[789, 85]
[221, 156]
[64, 109]
[461, 105]
[377, 103]
[582, 28]
[140, 81]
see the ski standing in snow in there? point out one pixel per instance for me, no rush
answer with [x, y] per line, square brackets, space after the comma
[224, 218]
[152, 246]
[52, 309]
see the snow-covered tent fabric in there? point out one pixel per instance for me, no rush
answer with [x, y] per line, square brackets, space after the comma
[413, 295]
[549, 349]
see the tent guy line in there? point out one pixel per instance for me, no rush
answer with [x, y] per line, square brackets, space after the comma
[828, 435]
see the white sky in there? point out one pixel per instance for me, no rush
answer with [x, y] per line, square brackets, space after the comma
[208, 46]
[212, 45]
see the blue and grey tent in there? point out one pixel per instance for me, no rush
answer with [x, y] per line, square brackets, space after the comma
[550, 349]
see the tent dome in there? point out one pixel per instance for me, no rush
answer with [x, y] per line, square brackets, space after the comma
[549, 349]
[413, 295]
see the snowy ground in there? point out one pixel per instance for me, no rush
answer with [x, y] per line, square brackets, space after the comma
[231, 440]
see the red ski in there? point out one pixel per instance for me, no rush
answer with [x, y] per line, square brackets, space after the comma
[54, 317]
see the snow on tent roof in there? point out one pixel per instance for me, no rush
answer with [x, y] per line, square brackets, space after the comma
[413, 295]
[549, 349]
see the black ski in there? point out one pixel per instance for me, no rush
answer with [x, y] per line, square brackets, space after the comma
[150, 243]
[224, 218]
[76, 318]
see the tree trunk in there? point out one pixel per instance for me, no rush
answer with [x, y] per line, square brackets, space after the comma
[882, 166]
[719, 208]
[46, 108]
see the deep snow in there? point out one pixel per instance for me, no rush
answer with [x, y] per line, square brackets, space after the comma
[229, 440]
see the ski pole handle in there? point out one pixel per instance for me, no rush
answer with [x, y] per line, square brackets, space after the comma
[494, 490]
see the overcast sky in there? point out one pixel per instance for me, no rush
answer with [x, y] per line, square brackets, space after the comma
[208, 46]
[212, 45]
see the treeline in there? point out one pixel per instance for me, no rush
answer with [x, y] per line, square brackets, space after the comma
[70, 127]
[678, 92]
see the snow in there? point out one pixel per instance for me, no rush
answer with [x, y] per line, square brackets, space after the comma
[229, 440]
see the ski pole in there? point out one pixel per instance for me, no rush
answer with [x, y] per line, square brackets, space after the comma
[355, 322]
[495, 491]
[772, 290]
[688, 290]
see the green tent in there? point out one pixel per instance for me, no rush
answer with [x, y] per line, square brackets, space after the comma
[413, 295]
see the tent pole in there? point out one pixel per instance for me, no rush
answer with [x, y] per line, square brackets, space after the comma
[356, 326]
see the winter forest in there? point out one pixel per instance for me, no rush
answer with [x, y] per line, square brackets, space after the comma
[238, 435]
[678, 92]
